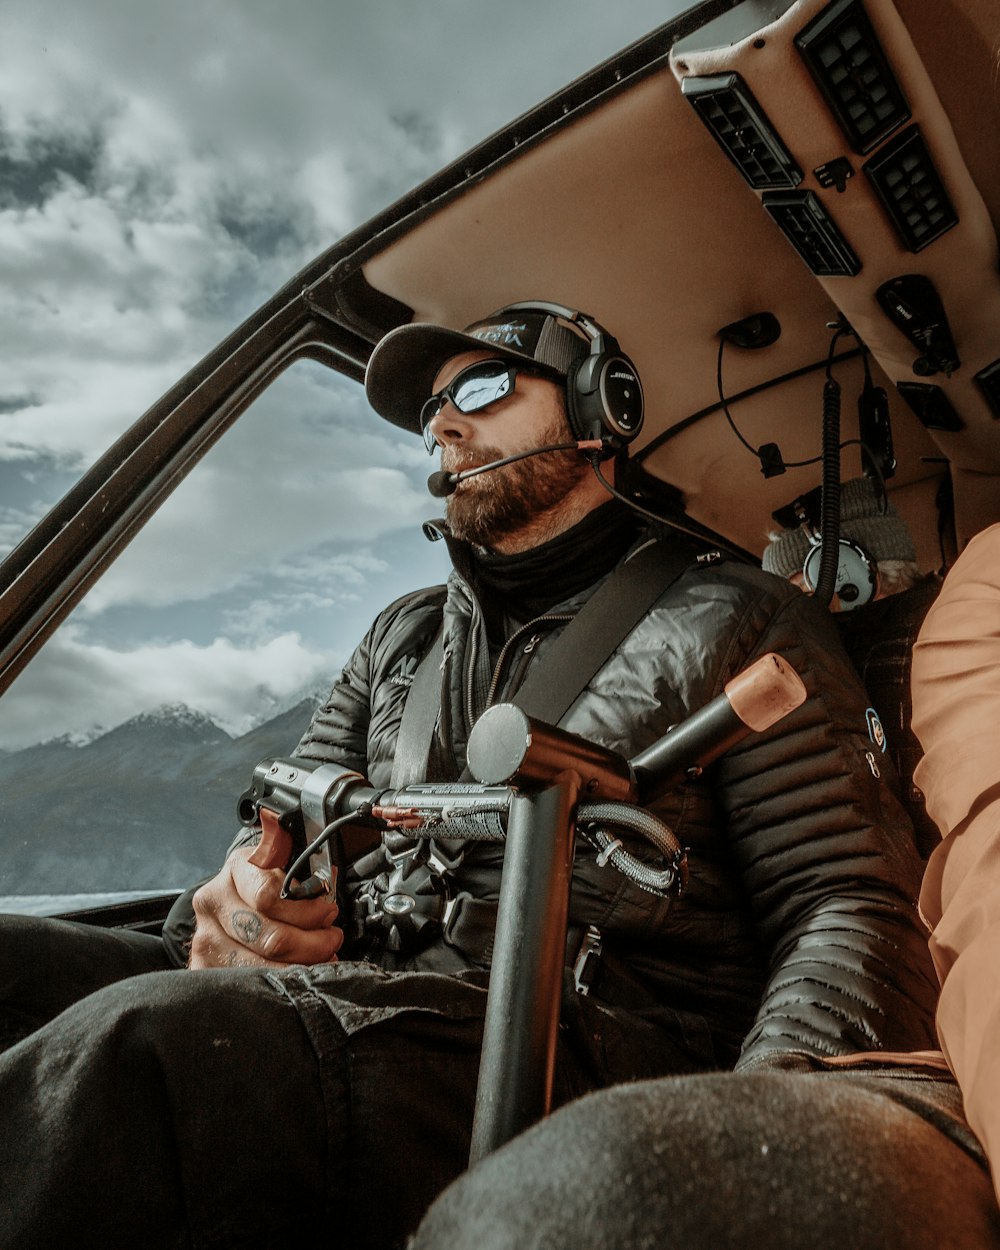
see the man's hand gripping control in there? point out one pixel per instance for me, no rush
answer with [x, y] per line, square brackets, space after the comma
[242, 921]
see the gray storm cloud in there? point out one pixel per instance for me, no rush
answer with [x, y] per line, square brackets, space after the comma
[164, 169]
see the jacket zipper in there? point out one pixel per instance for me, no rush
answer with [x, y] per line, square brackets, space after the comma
[513, 641]
[471, 652]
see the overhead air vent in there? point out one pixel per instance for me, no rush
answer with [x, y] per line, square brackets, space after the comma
[913, 195]
[727, 107]
[988, 380]
[931, 405]
[812, 232]
[846, 60]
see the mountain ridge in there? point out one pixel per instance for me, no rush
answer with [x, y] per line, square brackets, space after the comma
[148, 804]
[176, 711]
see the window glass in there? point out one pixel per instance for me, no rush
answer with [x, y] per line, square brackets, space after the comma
[128, 739]
[160, 177]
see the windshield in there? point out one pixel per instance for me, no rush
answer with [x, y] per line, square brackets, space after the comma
[162, 178]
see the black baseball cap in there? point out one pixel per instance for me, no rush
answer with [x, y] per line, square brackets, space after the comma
[402, 368]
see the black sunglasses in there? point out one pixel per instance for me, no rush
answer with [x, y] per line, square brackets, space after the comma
[474, 388]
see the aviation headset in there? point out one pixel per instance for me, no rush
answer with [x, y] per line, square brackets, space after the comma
[876, 533]
[603, 391]
[857, 573]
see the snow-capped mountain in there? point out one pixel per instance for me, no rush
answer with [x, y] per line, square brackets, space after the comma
[148, 804]
[175, 716]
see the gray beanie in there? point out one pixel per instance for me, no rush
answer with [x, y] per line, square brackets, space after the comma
[882, 534]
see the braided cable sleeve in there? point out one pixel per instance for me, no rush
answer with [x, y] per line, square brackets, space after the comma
[591, 818]
[486, 824]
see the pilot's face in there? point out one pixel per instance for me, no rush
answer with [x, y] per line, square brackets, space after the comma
[530, 406]
[492, 505]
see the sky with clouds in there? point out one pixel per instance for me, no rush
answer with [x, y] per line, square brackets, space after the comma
[163, 170]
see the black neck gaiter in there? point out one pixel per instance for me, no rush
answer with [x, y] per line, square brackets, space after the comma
[516, 588]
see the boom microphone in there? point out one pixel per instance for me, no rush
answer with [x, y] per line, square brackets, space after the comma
[443, 483]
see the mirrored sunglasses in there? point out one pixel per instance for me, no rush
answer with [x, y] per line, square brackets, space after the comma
[473, 389]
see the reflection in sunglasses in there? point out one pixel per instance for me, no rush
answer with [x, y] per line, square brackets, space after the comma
[471, 390]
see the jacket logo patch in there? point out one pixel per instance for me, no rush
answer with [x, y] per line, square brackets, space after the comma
[875, 730]
[403, 671]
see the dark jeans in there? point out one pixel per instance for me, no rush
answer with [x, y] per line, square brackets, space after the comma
[241, 1107]
[222, 1108]
[786, 1160]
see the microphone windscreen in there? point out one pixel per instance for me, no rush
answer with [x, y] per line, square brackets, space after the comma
[441, 484]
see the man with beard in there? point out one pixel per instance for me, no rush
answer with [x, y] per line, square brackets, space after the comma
[314, 1074]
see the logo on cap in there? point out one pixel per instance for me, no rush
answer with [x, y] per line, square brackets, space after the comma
[507, 335]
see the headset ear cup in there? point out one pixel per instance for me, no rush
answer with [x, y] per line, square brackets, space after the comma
[622, 398]
[607, 397]
[603, 393]
[857, 574]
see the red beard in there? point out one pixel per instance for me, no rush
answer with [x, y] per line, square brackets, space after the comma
[490, 506]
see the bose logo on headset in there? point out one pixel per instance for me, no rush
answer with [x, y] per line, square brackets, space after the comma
[603, 393]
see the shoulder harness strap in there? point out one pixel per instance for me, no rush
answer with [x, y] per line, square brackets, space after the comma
[555, 682]
[599, 628]
[419, 715]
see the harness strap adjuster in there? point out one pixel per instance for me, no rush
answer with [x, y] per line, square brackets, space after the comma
[587, 963]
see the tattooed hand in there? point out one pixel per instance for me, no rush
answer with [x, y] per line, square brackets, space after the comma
[242, 921]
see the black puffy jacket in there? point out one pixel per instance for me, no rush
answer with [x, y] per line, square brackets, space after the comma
[798, 929]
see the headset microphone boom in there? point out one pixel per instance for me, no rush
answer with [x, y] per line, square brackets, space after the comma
[443, 483]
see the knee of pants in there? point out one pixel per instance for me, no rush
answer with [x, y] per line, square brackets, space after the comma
[787, 1161]
[203, 1030]
[46, 965]
[219, 1062]
[176, 1097]
[214, 1058]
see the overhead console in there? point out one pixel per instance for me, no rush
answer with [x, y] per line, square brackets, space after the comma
[829, 115]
